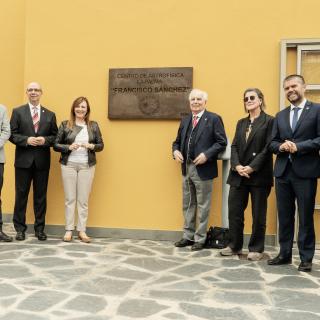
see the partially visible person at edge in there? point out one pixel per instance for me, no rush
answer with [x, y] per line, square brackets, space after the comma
[33, 131]
[78, 140]
[296, 142]
[250, 174]
[4, 136]
[201, 137]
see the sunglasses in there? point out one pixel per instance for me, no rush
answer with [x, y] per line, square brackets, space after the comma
[251, 98]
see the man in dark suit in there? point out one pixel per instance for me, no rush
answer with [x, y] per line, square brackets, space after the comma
[296, 142]
[201, 137]
[33, 131]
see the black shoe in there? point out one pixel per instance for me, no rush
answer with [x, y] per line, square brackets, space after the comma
[278, 260]
[41, 235]
[20, 236]
[197, 246]
[305, 266]
[183, 243]
[4, 237]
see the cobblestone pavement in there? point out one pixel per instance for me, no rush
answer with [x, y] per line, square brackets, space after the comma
[143, 279]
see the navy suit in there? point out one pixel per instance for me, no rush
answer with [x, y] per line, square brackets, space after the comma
[296, 178]
[32, 163]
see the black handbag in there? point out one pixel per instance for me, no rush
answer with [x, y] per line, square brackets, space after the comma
[217, 237]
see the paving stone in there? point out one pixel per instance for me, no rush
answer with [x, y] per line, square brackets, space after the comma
[77, 254]
[287, 315]
[151, 264]
[7, 290]
[13, 272]
[127, 273]
[286, 269]
[166, 279]
[36, 282]
[14, 247]
[192, 269]
[294, 282]
[296, 300]
[163, 250]
[6, 302]
[186, 285]
[202, 253]
[133, 249]
[178, 295]
[241, 298]
[42, 300]
[240, 274]
[86, 303]
[10, 255]
[88, 317]
[173, 316]
[45, 252]
[138, 308]
[69, 274]
[211, 279]
[104, 286]
[82, 247]
[49, 262]
[227, 262]
[21, 316]
[243, 286]
[215, 313]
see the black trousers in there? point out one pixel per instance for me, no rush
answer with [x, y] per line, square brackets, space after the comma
[1, 184]
[237, 202]
[23, 179]
[290, 188]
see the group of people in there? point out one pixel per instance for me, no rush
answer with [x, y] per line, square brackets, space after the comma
[33, 129]
[293, 135]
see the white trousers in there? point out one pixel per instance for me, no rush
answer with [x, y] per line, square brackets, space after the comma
[77, 181]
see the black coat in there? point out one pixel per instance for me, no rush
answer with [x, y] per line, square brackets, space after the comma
[22, 128]
[210, 139]
[253, 153]
[66, 137]
[306, 136]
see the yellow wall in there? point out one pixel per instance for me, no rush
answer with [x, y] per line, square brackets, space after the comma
[69, 47]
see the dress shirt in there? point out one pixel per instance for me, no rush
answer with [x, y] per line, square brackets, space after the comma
[300, 106]
[32, 108]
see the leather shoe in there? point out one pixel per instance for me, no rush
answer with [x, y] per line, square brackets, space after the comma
[278, 260]
[4, 237]
[183, 243]
[197, 246]
[41, 235]
[20, 236]
[305, 266]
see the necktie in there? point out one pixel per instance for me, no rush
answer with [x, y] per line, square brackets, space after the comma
[35, 119]
[294, 118]
[194, 121]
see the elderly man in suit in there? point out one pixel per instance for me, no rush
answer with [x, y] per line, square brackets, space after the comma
[296, 142]
[33, 131]
[4, 136]
[201, 137]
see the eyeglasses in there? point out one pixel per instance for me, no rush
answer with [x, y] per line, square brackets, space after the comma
[251, 98]
[34, 89]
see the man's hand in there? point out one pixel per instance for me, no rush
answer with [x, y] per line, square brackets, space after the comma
[242, 171]
[178, 156]
[200, 159]
[288, 146]
[40, 141]
[32, 141]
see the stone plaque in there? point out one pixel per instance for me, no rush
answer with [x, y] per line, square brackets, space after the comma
[149, 93]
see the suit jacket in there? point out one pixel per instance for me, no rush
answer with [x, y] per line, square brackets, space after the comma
[4, 131]
[253, 153]
[210, 139]
[66, 137]
[306, 136]
[22, 128]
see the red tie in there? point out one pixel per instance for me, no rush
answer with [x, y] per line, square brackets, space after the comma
[194, 121]
[35, 119]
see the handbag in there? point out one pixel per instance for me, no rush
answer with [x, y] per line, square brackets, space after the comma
[217, 237]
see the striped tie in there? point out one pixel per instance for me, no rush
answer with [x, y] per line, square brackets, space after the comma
[35, 119]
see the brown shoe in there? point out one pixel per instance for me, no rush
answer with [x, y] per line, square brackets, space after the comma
[83, 237]
[67, 237]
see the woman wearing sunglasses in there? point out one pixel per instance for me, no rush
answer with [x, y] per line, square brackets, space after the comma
[250, 174]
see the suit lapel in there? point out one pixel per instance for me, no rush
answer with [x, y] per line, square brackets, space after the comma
[185, 130]
[257, 124]
[43, 117]
[304, 113]
[202, 124]
[286, 119]
[28, 117]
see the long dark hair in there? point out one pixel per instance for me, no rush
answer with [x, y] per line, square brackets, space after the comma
[72, 119]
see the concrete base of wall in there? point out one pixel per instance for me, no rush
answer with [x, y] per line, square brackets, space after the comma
[120, 233]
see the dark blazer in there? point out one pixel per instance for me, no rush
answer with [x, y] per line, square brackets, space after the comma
[66, 137]
[22, 128]
[210, 139]
[253, 153]
[306, 136]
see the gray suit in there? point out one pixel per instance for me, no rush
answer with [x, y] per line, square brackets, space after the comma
[4, 136]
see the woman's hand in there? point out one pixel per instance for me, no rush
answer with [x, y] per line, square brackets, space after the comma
[74, 146]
